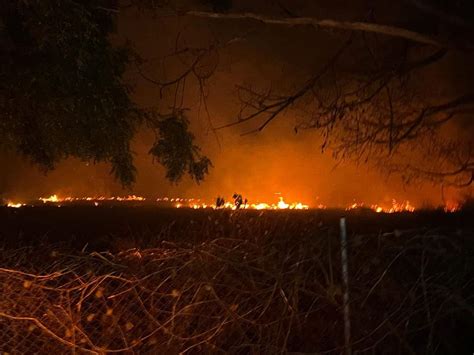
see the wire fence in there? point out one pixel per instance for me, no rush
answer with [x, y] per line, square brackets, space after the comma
[251, 294]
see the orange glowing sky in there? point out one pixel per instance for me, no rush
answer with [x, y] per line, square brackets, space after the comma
[258, 165]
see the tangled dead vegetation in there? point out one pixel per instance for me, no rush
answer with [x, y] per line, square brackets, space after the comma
[257, 291]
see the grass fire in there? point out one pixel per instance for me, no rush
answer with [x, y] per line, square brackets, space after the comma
[193, 203]
[236, 177]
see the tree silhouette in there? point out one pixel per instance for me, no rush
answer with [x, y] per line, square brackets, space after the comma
[366, 99]
[62, 92]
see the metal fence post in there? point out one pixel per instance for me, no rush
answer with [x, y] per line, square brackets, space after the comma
[345, 279]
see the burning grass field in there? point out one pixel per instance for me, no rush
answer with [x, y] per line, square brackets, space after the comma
[129, 279]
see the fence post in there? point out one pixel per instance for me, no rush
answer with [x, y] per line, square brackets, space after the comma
[345, 279]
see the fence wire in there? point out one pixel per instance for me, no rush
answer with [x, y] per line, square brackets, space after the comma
[258, 295]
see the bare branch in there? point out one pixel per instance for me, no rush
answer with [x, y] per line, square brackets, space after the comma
[429, 111]
[329, 24]
[276, 108]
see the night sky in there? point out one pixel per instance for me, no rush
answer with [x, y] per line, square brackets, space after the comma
[258, 165]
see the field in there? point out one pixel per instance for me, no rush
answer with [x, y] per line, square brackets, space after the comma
[127, 279]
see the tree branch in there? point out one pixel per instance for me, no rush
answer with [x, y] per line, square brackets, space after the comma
[454, 104]
[282, 103]
[386, 30]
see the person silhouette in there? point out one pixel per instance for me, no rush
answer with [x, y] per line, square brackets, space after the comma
[220, 202]
[238, 201]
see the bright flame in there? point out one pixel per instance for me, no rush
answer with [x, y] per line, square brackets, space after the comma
[178, 202]
[131, 198]
[394, 208]
[355, 206]
[282, 205]
[262, 206]
[56, 199]
[52, 198]
[14, 204]
[452, 207]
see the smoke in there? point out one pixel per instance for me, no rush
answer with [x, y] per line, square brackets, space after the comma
[261, 166]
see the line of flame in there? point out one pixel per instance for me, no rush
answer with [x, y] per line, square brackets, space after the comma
[178, 202]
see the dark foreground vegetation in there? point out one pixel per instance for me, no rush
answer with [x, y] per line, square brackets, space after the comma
[145, 280]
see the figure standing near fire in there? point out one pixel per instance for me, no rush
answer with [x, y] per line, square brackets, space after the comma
[238, 201]
[220, 202]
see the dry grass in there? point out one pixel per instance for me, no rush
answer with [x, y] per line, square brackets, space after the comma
[250, 287]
